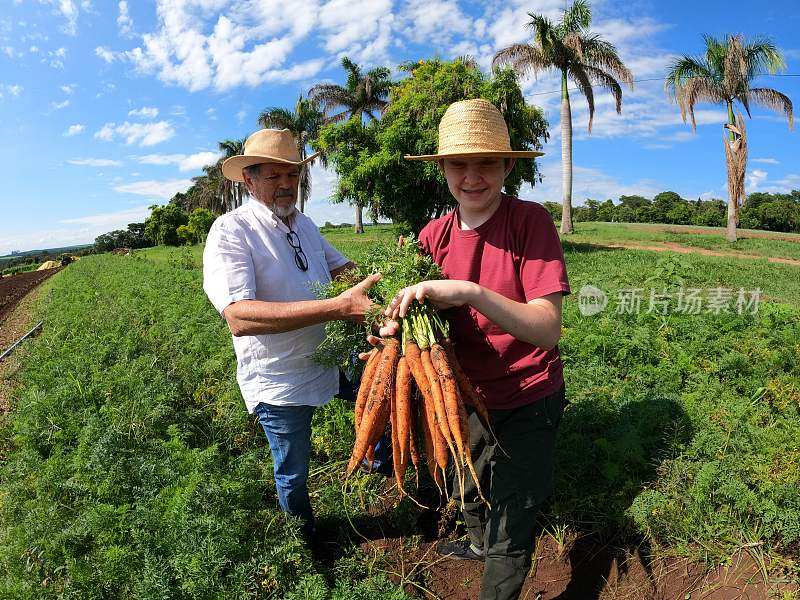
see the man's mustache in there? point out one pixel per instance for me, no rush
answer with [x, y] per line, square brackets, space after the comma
[284, 194]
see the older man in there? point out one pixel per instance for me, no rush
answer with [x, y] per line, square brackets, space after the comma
[260, 265]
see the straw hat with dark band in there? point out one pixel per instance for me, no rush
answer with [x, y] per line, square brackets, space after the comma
[474, 128]
[265, 146]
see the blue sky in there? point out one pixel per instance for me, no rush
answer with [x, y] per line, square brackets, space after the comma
[107, 106]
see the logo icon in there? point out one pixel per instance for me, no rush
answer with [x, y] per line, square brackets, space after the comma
[591, 300]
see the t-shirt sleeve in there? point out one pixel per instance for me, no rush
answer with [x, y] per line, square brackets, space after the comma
[333, 257]
[424, 239]
[542, 267]
[228, 273]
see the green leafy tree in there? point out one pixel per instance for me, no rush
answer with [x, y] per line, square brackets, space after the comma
[200, 221]
[304, 123]
[369, 158]
[363, 95]
[162, 225]
[580, 56]
[723, 76]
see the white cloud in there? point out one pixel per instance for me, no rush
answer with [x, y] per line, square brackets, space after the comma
[14, 90]
[69, 10]
[74, 130]
[124, 21]
[143, 134]
[766, 161]
[155, 189]
[34, 49]
[755, 178]
[10, 52]
[190, 162]
[319, 208]
[59, 105]
[68, 89]
[94, 162]
[55, 58]
[107, 55]
[146, 112]
[247, 45]
[83, 230]
[587, 183]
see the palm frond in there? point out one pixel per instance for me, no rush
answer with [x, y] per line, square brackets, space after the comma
[574, 42]
[523, 59]
[577, 17]
[581, 78]
[763, 55]
[277, 118]
[603, 55]
[604, 80]
[695, 90]
[774, 100]
[684, 69]
[734, 77]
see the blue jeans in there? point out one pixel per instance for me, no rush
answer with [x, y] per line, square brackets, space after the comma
[288, 430]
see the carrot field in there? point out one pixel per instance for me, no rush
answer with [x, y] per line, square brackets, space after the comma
[132, 469]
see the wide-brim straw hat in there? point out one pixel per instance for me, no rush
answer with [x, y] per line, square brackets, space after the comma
[474, 128]
[265, 146]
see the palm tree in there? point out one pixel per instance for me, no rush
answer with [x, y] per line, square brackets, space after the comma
[581, 57]
[364, 94]
[232, 191]
[304, 123]
[723, 76]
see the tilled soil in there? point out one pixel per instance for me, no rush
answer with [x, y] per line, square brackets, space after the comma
[14, 288]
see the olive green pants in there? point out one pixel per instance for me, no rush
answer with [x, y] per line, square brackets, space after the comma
[516, 475]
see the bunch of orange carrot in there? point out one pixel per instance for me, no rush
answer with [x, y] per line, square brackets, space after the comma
[422, 358]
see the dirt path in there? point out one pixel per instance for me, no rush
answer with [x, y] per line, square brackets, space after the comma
[675, 247]
[741, 233]
[17, 322]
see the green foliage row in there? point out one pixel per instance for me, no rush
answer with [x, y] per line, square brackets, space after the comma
[773, 212]
[132, 469]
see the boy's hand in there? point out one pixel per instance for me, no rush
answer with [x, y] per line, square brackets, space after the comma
[443, 293]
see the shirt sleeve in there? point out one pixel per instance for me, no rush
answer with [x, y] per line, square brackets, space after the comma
[542, 267]
[228, 273]
[334, 258]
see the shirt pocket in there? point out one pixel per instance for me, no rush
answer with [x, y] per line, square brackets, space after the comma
[318, 265]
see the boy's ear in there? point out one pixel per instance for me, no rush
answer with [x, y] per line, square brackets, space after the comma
[510, 162]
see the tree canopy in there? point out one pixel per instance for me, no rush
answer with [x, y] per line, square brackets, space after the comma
[368, 158]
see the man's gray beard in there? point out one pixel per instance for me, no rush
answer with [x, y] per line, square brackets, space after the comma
[283, 212]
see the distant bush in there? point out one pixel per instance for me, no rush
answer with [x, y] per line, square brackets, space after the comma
[774, 212]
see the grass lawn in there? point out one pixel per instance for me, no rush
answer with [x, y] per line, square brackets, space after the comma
[749, 242]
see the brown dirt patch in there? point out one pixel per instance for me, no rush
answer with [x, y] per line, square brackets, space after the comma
[749, 233]
[15, 323]
[680, 248]
[584, 570]
[15, 288]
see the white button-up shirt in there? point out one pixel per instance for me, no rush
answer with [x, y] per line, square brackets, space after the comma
[247, 257]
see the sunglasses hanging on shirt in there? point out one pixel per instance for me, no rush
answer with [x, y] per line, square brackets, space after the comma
[299, 256]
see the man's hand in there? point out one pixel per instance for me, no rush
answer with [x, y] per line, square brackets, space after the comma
[443, 293]
[354, 303]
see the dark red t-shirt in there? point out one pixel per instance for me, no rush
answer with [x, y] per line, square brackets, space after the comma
[515, 253]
